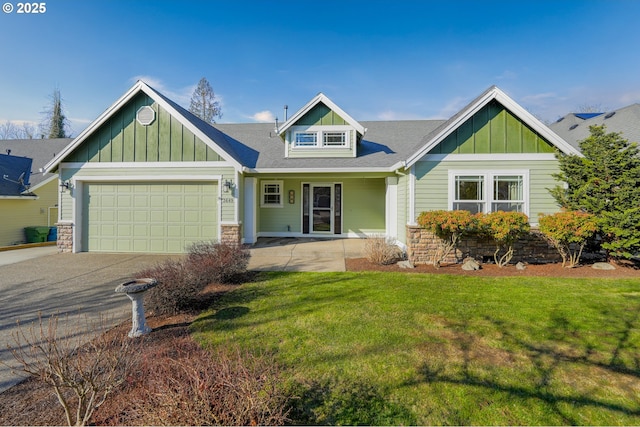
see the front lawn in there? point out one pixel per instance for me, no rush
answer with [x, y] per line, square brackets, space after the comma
[394, 348]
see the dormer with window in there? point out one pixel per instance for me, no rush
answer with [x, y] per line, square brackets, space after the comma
[321, 129]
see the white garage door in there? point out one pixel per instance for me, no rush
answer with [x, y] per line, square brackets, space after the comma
[149, 217]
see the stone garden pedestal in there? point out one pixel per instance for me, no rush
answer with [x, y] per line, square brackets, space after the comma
[135, 290]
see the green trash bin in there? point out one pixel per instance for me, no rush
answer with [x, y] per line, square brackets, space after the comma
[36, 234]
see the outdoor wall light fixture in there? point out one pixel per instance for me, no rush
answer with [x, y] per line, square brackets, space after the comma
[65, 185]
[227, 186]
[292, 197]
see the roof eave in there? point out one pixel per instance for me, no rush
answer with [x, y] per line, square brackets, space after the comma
[329, 103]
[139, 86]
[493, 93]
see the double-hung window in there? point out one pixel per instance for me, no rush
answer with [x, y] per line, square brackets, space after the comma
[488, 191]
[469, 193]
[271, 196]
[508, 193]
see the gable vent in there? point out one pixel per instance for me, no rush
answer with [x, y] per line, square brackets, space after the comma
[145, 115]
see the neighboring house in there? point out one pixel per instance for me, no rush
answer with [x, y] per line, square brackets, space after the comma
[574, 127]
[31, 200]
[148, 176]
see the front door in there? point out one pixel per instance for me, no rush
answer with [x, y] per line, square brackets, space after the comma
[322, 208]
[322, 205]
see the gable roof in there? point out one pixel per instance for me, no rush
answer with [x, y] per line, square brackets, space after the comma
[321, 99]
[14, 175]
[431, 140]
[384, 148]
[207, 133]
[626, 120]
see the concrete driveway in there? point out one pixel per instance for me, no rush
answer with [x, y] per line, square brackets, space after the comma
[42, 281]
[36, 281]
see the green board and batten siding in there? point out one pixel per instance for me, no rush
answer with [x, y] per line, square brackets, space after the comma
[122, 139]
[493, 130]
[321, 115]
[149, 208]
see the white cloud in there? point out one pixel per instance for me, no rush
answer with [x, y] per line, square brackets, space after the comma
[265, 116]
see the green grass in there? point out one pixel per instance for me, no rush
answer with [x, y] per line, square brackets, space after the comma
[388, 348]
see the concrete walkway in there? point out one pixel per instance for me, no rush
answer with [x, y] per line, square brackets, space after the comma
[304, 254]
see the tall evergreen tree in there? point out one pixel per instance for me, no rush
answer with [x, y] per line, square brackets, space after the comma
[606, 183]
[55, 124]
[204, 103]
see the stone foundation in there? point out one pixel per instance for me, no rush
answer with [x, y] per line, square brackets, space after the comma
[65, 236]
[231, 234]
[422, 246]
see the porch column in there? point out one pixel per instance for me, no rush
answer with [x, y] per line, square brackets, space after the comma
[250, 211]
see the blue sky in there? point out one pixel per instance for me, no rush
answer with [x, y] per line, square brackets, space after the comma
[377, 60]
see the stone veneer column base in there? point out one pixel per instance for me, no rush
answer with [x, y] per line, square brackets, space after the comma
[65, 236]
[231, 234]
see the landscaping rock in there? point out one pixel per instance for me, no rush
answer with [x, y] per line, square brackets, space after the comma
[470, 264]
[521, 266]
[405, 264]
[602, 266]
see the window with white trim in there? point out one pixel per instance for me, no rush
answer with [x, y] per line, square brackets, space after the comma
[334, 139]
[271, 196]
[318, 137]
[469, 193]
[306, 139]
[489, 191]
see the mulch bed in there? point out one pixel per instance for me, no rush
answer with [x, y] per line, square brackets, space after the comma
[622, 270]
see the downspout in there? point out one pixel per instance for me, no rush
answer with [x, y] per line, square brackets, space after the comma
[412, 196]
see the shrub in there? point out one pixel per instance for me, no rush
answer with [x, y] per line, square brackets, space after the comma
[175, 293]
[81, 375]
[381, 250]
[180, 282]
[211, 262]
[603, 181]
[183, 384]
[449, 226]
[504, 228]
[569, 233]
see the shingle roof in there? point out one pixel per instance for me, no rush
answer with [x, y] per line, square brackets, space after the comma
[14, 175]
[40, 150]
[625, 120]
[385, 144]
